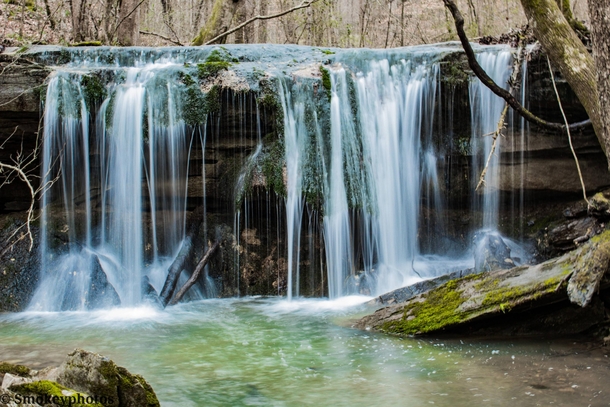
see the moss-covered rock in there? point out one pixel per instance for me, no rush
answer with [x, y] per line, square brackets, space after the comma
[482, 296]
[44, 392]
[94, 374]
[18, 370]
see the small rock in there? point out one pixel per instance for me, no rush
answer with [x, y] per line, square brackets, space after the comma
[10, 380]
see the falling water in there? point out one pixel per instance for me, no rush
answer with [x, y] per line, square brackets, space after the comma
[360, 157]
[485, 109]
[139, 136]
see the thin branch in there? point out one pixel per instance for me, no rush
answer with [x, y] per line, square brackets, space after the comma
[193, 279]
[498, 90]
[304, 4]
[565, 119]
[163, 37]
[493, 146]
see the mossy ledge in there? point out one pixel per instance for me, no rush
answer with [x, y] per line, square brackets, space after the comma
[495, 294]
[17, 370]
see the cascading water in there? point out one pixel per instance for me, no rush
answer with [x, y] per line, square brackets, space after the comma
[486, 109]
[360, 155]
[139, 136]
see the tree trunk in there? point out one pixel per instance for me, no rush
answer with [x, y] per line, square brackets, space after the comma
[599, 12]
[569, 55]
[128, 30]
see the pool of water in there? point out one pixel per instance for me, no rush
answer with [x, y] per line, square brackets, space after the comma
[271, 352]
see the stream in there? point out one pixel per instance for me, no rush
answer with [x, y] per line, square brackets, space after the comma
[259, 351]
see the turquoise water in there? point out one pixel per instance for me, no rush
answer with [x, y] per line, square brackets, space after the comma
[271, 352]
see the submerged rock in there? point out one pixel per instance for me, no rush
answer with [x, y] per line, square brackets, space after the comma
[491, 253]
[514, 301]
[101, 293]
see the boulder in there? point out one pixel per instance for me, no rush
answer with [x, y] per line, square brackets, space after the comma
[84, 379]
[96, 375]
[507, 302]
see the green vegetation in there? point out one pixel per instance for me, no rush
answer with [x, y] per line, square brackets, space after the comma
[272, 166]
[452, 71]
[17, 370]
[439, 309]
[218, 60]
[52, 389]
[93, 90]
[326, 82]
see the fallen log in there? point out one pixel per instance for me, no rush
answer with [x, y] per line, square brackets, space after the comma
[195, 276]
[184, 255]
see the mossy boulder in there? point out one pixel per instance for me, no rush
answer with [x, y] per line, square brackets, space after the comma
[94, 374]
[498, 296]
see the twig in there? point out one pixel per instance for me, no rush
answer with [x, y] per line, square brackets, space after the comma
[304, 4]
[493, 146]
[563, 280]
[162, 37]
[565, 119]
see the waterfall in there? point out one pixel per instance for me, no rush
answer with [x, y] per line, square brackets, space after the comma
[130, 230]
[485, 109]
[361, 158]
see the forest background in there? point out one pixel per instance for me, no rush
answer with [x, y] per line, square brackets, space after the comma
[328, 23]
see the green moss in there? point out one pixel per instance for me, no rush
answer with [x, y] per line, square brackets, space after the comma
[327, 52]
[52, 389]
[87, 44]
[64, 57]
[93, 89]
[453, 72]
[326, 82]
[218, 60]
[212, 100]
[18, 370]
[273, 162]
[438, 310]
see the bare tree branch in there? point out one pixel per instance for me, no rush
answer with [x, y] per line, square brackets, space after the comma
[163, 37]
[498, 90]
[195, 276]
[304, 4]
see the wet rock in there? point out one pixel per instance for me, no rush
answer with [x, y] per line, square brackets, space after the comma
[514, 301]
[101, 293]
[406, 293]
[94, 374]
[567, 236]
[491, 253]
[149, 293]
[18, 266]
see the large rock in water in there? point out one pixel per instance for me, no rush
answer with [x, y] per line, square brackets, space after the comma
[85, 378]
[101, 293]
[522, 300]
